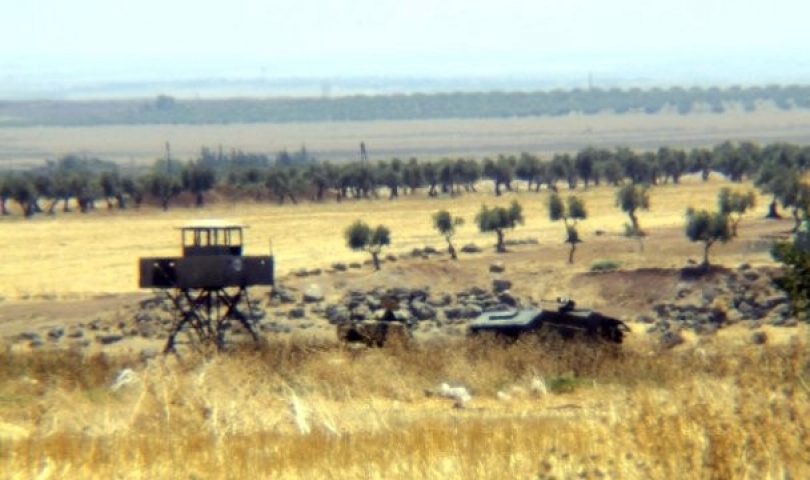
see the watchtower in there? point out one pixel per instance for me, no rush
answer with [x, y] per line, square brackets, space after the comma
[207, 284]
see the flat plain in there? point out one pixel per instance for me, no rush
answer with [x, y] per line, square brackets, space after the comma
[339, 141]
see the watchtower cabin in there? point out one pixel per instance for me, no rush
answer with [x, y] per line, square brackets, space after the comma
[212, 258]
[209, 281]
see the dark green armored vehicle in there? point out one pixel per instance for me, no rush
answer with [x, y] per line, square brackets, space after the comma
[563, 321]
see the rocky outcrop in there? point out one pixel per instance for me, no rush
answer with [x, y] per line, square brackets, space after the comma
[423, 305]
[744, 294]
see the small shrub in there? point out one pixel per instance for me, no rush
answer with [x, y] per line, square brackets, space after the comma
[567, 384]
[605, 266]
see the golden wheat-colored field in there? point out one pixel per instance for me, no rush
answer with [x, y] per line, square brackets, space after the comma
[299, 409]
[74, 255]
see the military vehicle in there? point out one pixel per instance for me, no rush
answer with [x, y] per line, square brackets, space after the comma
[564, 321]
[388, 326]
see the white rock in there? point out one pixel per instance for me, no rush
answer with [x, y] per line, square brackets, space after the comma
[124, 378]
[538, 386]
[459, 394]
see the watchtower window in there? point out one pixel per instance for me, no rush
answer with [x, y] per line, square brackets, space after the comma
[212, 237]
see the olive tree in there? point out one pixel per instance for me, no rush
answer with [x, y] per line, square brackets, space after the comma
[795, 277]
[708, 228]
[498, 219]
[198, 178]
[795, 195]
[361, 237]
[163, 186]
[446, 225]
[735, 204]
[632, 198]
[570, 213]
[23, 192]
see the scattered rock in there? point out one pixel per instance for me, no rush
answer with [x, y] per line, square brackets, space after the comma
[283, 294]
[423, 311]
[497, 267]
[459, 394]
[337, 314]
[471, 248]
[501, 285]
[759, 338]
[55, 334]
[76, 333]
[671, 339]
[503, 396]
[109, 339]
[148, 354]
[274, 327]
[30, 336]
[706, 329]
[313, 293]
[507, 299]
[438, 301]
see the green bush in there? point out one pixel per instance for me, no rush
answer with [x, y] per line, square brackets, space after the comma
[605, 266]
[567, 384]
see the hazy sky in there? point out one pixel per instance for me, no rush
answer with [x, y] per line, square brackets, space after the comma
[323, 37]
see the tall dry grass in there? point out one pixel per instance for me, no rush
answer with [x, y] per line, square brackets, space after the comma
[303, 409]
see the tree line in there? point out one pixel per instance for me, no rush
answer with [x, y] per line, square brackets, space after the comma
[702, 226]
[79, 183]
[165, 109]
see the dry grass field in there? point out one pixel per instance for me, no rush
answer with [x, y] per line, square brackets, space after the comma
[716, 407]
[301, 410]
[338, 141]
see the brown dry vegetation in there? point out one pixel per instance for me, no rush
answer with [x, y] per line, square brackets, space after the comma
[300, 409]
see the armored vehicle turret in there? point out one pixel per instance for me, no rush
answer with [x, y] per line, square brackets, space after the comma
[564, 320]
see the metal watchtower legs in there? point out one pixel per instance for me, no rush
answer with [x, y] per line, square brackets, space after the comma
[206, 314]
